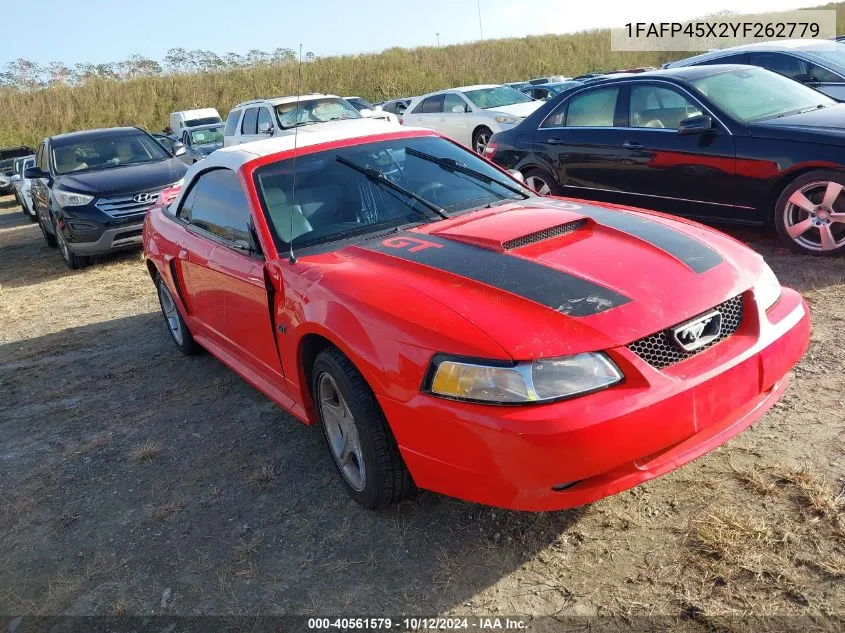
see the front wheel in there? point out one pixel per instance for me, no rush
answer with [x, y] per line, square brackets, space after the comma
[50, 238]
[480, 139]
[810, 213]
[357, 433]
[71, 259]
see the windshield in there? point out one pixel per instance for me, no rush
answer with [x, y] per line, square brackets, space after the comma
[500, 96]
[203, 121]
[104, 152]
[207, 136]
[825, 50]
[335, 201]
[360, 104]
[315, 111]
[753, 94]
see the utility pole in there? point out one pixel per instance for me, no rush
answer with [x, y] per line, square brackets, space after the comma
[480, 29]
[438, 39]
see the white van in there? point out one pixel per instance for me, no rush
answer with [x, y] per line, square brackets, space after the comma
[191, 118]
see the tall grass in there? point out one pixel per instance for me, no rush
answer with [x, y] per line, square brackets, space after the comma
[27, 117]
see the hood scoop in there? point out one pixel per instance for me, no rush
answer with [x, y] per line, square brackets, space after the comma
[510, 227]
[545, 234]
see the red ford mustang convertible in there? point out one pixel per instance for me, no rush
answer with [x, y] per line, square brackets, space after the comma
[449, 329]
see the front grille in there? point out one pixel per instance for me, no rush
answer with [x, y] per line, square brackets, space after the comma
[659, 350]
[122, 206]
[545, 234]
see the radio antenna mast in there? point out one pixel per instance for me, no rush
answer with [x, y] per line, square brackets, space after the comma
[291, 256]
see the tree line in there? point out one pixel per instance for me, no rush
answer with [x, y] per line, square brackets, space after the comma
[24, 74]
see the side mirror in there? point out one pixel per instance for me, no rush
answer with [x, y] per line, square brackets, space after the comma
[517, 175]
[366, 112]
[266, 128]
[698, 124]
[378, 108]
[15, 178]
[179, 148]
[31, 173]
[459, 109]
[804, 78]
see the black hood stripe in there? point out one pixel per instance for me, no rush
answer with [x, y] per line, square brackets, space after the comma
[552, 288]
[696, 255]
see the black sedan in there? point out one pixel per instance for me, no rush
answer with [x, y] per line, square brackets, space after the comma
[723, 143]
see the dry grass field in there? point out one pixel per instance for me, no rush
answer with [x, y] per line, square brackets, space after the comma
[29, 116]
[134, 480]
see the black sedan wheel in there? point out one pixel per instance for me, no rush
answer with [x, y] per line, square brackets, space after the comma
[542, 183]
[810, 213]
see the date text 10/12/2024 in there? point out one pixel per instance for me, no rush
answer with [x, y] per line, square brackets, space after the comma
[418, 624]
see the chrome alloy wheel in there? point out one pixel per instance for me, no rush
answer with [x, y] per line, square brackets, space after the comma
[813, 220]
[539, 185]
[341, 431]
[171, 314]
[481, 140]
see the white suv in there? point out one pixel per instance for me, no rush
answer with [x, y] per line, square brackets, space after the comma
[263, 118]
[471, 114]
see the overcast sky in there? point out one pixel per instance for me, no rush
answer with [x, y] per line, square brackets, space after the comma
[110, 30]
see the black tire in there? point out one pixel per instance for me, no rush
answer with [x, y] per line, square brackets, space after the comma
[480, 138]
[48, 237]
[184, 341]
[812, 186]
[536, 178]
[386, 479]
[71, 259]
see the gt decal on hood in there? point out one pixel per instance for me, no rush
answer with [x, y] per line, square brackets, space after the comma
[697, 255]
[554, 289]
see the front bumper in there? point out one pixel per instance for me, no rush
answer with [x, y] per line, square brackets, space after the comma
[555, 456]
[126, 236]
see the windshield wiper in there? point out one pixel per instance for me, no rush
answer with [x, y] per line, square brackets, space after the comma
[376, 176]
[453, 165]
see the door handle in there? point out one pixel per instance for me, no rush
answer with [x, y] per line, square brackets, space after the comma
[633, 145]
[554, 140]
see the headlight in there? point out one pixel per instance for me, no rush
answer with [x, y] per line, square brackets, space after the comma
[767, 290]
[507, 120]
[68, 199]
[529, 382]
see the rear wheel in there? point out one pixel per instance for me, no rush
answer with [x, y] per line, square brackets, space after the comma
[480, 138]
[357, 434]
[72, 260]
[810, 213]
[179, 332]
[542, 182]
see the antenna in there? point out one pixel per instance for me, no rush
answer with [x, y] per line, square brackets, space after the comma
[291, 257]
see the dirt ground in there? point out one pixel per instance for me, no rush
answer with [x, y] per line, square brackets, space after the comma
[134, 480]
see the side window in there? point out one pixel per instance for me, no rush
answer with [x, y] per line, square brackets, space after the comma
[787, 65]
[822, 75]
[218, 205]
[42, 158]
[451, 100]
[264, 116]
[656, 107]
[739, 58]
[232, 123]
[594, 108]
[184, 212]
[433, 105]
[250, 124]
